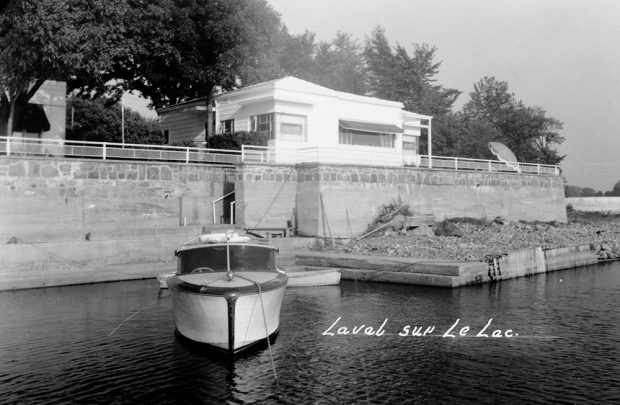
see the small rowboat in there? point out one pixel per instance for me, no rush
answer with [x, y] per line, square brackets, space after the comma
[307, 276]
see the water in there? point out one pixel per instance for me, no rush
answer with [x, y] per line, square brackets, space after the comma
[114, 344]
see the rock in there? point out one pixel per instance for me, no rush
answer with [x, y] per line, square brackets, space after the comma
[447, 228]
[422, 230]
[398, 222]
[500, 220]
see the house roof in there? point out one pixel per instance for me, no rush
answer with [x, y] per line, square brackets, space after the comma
[290, 83]
[294, 84]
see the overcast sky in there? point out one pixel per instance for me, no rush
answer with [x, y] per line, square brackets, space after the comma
[561, 55]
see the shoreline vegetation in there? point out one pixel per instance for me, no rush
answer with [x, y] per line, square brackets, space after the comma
[484, 239]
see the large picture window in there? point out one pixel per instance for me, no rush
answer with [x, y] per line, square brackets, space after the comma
[354, 137]
[262, 123]
[292, 127]
[367, 134]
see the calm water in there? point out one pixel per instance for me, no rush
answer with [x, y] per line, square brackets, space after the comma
[115, 344]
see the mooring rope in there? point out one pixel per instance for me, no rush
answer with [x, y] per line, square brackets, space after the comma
[262, 304]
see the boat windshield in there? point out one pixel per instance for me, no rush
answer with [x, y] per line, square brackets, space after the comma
[242, 258]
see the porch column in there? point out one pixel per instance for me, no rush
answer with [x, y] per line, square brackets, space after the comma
[430, 144]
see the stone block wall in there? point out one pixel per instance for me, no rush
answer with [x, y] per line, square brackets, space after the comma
[43, 199]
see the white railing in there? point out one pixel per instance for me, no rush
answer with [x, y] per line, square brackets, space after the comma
[257, 154]
[109, 150]
[371, 156]
[232, 216]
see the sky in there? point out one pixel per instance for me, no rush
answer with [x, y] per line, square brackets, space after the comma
[561, 55]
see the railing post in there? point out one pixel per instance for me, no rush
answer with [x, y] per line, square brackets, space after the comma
[232, 210]
[489, 166]
[538, 168]
[456, 163]
[8, 145]
[187, 158]
[105, 152]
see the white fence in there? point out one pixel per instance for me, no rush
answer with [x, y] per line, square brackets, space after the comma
[256, 154]
[107, 150]
[373, 157]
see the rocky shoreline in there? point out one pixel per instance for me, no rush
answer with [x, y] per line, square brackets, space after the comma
[482, 239]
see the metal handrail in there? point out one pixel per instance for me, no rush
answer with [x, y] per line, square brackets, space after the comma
[315, 154]
[218, 200]
[111, 150]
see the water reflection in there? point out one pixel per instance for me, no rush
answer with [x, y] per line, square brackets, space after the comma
[115, 343]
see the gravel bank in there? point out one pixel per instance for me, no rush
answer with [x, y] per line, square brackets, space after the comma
[488, 238]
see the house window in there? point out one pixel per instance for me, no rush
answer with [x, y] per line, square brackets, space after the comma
[262, 123]
[410, 143]
[292, 127]
[355, 137]
[227, 126]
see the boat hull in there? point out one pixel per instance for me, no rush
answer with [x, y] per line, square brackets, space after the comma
[230, 316]
[312, 278]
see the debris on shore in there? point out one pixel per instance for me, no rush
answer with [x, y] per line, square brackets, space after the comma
[480, 239]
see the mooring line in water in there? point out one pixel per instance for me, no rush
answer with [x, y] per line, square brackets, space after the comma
[262, 304]
[128, 318]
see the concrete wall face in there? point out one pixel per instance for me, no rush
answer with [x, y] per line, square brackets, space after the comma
[353, 196]
[265, 196]
[51, 199]
[602, 204]
[47, 199]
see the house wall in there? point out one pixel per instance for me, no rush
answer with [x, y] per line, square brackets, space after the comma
[183, 125]
[323, 109]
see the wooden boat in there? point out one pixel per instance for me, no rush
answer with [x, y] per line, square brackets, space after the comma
[227, 294]
[306, 276]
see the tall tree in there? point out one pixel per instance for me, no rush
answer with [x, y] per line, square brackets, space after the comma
[339, 65]
[190, 49]
[393, 74]
[54, 39]
[527, 131]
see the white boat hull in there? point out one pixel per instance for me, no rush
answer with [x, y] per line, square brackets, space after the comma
[229, 319]
[312, 278]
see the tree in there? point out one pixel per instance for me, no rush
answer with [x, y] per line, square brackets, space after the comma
[98, 121]
[615, 192]
[339, 65]
[395, 75]
[54, 40]
[527, 131]
[190, 49]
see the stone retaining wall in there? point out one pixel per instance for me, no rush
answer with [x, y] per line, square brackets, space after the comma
[353, 196]
[48, 199]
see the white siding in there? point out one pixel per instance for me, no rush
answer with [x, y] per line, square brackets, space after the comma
[184, 125]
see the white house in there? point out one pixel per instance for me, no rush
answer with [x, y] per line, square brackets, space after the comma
[307, 122]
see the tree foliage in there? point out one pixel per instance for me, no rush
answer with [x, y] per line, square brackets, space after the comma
[96, 121]
[527, 131]
[393, 74]
[336, 64]
[54, 39]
